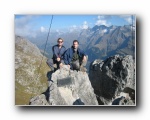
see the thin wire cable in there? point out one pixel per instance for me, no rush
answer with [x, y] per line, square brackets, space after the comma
[44, 50]
[45, 44]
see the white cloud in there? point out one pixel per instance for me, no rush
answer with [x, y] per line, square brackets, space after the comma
[105, 30]
[73, 28]
[24, 26]
[128, 18]
[100, 17]
[42, 29]
[57, 30]
[101, 20]
[23, 21]
[85, 25]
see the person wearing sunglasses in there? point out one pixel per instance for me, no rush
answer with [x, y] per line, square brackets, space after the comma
[75, 58]
[58, 53]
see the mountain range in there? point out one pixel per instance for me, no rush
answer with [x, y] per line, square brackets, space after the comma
[98, 42]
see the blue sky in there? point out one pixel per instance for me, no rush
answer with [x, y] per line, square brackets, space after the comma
[26, 24]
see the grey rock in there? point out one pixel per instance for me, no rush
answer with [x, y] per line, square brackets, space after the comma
[29, 79]
[68, 87]
[123, 101]
[39, 100]
[110, 77]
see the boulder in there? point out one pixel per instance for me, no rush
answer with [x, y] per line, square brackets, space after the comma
[39, 100]
[68, 87]
[111, 77]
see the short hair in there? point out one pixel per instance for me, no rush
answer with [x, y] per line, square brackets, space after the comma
[75, 41]
[59, 39]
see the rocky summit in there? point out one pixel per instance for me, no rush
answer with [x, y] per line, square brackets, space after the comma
[113, 80]
[110, 82]
[67, 87]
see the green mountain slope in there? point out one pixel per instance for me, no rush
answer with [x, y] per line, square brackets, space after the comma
[28, 82]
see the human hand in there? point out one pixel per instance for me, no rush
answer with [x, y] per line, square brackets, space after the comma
[60, 65]
[84, 59]
[58, 59]
[68, 66]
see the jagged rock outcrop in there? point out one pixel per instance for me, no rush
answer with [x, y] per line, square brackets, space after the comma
[114, 78]
[68, 87]
[113, 81]
[29, 80]
[126, 97]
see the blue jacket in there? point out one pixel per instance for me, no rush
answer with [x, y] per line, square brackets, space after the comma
[69, 54]
[58, 52]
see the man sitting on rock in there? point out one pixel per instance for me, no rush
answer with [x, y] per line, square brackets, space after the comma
[75, 58]
[58, 52]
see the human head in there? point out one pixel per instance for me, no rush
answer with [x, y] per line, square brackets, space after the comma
[75, 44]
[60, 41]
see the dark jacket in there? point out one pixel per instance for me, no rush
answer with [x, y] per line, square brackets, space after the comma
[69, 54]
[58, 52]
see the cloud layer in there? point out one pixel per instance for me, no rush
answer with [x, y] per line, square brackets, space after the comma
[28, 25]
[24, 26]
[129, 18]
[102, 20]
[85, 25]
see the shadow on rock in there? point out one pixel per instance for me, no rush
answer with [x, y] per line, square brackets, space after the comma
[49, 75]
[78, 102]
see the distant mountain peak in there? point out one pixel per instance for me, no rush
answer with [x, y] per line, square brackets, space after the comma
[101, 27]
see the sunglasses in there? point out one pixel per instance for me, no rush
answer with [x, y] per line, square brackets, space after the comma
[60, 41]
